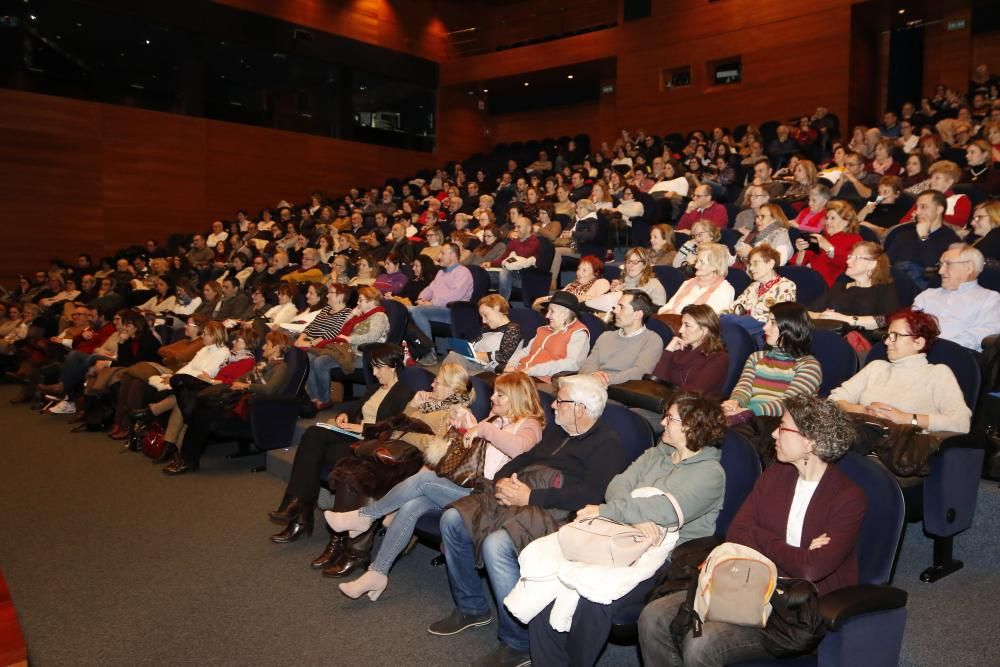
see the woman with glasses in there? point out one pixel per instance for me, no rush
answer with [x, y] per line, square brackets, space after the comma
[867, 298]
[702, 233]
[514, 426]
[708, 286]
[770, 229]
[767, 288]
[589, 283]
[826, 253]
[907, 389]
[490, 250]
[803, 514]
[685, 469]
[986, 230]
[757, 196]
[638, 274]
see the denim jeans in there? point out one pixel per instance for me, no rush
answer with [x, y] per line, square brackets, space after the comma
[318, 382]
[74, 371]
[502, 568]
[413, 497]
[508, 279]
[422, 316]
[719, 644]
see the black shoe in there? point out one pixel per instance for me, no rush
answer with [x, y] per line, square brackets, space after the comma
[169, 454]
[348, 563]
[291, 511]
[179, 467]
[333, 551]
[504, 656]
[142, 416]
[294, 530]
[458, 622]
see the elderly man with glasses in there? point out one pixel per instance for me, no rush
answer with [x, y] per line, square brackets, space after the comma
[703, 207]
[966, 311]
[587, 454]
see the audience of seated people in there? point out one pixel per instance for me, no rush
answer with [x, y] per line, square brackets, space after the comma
[173, 330]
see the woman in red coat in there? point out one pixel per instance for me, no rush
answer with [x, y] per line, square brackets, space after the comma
[803, 514]
[827, 253]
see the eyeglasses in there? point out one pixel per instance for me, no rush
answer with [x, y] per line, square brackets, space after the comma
[949, 262]
[670, 418]
[786, 429]
[634, 261]
[860, 257]
[893, 336]
[560, 401]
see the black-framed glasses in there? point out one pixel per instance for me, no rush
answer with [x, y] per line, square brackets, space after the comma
[560, 401]
[893, 336]
[949, 262]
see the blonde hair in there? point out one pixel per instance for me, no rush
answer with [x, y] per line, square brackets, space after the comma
[216, 331]
[710, 226]
[454, 376]
[846, 213]
[523, 395]
[946, 167]
[991, 209]
[718, 257]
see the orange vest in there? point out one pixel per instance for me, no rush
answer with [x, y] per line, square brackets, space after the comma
[549, 345]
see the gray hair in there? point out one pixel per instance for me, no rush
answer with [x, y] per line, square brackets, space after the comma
[587, 391]
[586, 205]
[823, 422]
[968, 253]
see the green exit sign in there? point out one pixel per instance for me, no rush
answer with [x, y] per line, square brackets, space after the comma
[957, 24]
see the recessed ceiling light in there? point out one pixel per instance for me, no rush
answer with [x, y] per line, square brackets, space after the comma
[147, 42]
[32, 17]
[569, 76]
[486, 90]
[902, 11]
[526, 83]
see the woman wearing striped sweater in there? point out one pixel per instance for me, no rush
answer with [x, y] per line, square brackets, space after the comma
[784, 369]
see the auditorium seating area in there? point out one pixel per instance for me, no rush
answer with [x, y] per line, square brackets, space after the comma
[279, 252]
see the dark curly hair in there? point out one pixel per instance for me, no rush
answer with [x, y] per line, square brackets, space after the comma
[823, 422]
[702, 419]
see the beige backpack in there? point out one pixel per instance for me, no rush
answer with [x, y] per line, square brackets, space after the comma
[735, 586]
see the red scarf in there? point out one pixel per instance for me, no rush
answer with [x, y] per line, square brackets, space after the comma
[349, 325]
[763, 287]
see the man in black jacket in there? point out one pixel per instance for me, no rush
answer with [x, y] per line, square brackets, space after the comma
[587, 454]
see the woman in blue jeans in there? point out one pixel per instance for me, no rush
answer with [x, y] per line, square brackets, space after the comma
[513, 426]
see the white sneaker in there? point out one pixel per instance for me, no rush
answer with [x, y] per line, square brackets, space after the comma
[63, 408]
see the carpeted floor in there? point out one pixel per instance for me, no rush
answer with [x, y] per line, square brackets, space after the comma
[111, 563]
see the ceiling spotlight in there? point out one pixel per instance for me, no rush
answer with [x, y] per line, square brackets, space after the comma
[147, 42]
[486, 90]
[32, 17]
[569, 76]
[901, 11]
[526, 83]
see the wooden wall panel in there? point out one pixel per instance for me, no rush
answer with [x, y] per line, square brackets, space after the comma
[948, 53]
[795, 58]
[86, 177]
[986, 51]
[410, 26]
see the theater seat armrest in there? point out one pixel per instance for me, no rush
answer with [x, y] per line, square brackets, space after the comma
[840, 606]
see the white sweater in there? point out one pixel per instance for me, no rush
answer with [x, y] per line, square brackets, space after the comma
[912, 385]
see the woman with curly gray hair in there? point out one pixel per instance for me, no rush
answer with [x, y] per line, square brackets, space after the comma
[803, 513]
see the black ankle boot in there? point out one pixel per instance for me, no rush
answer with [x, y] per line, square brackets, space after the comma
[301, 524]
[332, 552]
[357, 555]
[169, 452]
[291, 508]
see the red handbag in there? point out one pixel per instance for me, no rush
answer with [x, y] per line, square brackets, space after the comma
[153, 443]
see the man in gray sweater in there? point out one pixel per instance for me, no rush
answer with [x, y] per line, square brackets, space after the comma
[632, 350]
